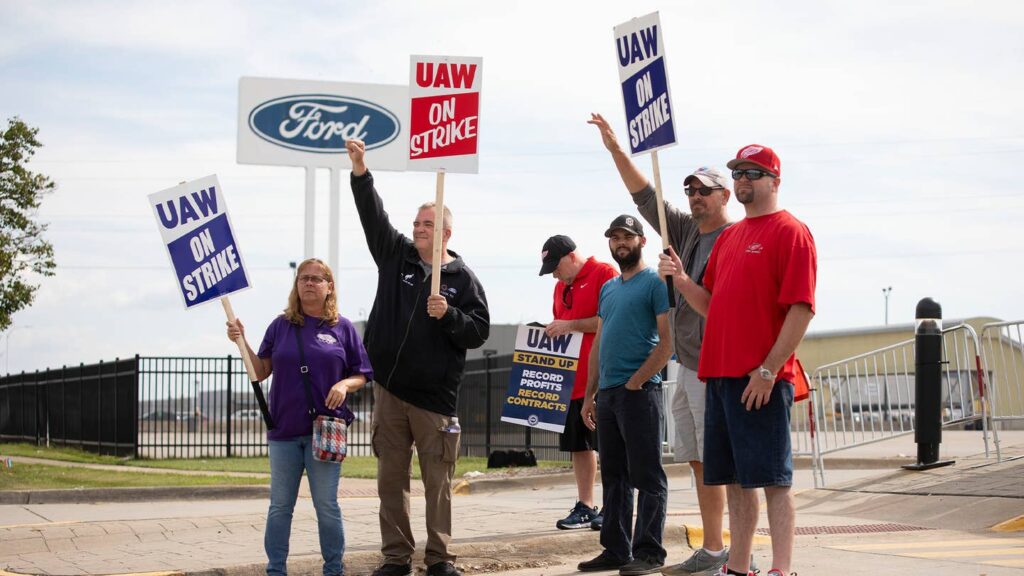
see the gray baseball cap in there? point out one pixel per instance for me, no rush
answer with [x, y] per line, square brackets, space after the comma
[708, 176]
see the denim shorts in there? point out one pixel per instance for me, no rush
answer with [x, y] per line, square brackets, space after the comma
[751, 448]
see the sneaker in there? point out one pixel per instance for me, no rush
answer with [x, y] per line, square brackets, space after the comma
[443, 569]
[603, 561]
[597, 522]
[393, 570]
[580, 516]
[699, 561]
[640, 566]
[777, 572]
[724, 571]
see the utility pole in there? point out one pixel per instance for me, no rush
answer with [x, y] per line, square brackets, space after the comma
[886, 292]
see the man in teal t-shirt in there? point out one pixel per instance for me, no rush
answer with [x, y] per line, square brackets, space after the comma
[624, 403]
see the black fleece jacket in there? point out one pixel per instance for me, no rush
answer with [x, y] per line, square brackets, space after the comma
[416, 357]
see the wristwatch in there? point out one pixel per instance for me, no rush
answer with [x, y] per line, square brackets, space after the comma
[766, 374]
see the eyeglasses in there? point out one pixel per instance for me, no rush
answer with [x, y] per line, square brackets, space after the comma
[751, 174]
[567, 297]
[310, 278]
[703, 190]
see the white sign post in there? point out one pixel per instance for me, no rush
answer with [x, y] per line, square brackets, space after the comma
[444, 122]
[195, 227]
[305, 123]
[640, 54]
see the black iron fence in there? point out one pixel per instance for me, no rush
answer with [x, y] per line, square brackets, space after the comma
[188, 407]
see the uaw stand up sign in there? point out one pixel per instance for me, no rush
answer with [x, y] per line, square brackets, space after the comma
[542, 377]
[195, 227]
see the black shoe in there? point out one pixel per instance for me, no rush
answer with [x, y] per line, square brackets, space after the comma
[597, 522]
[443, 569]
[603, 561]
[393, 570]
[640, 566]
[580, 516]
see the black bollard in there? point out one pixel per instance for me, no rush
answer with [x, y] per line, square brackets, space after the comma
[928, 386]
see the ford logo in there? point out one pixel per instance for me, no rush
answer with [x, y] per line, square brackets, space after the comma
[322, 123]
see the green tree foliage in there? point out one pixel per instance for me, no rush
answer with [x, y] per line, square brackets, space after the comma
[24, 254]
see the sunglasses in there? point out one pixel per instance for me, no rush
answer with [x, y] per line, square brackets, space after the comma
[703, 191]
[567, 297]
[751, 174]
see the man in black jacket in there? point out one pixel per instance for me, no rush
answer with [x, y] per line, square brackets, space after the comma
[417, 345]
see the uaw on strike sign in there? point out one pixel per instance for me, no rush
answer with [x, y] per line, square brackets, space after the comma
[194, 224]
[444, 119]
[542, 377]
[640, 51]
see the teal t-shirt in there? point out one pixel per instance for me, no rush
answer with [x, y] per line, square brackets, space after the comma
[629, 325]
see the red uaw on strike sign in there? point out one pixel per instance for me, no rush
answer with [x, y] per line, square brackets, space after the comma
[444, 120]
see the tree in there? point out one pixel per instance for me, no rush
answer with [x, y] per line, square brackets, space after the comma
[24, 254]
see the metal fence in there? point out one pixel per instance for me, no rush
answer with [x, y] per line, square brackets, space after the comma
[1004, 363]
[92, 407]
[870, 397]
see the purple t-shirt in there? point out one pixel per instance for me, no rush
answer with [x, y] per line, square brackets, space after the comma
[332, 354]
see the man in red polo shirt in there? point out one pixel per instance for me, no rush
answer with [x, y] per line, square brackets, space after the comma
[575, 310]
[758, 297]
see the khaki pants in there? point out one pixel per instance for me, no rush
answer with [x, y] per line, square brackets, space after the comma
[397, 425]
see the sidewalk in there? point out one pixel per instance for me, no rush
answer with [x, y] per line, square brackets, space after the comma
[878, 521]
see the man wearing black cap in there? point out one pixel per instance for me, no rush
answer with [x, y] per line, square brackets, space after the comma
[575, 310]
[692, 235]
[624, 403]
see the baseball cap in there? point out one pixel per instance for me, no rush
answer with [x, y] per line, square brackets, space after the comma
[625, 222]
[708, 176]
[763, 156]
[556, 248]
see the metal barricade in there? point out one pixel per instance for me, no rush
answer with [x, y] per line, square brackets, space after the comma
[1004, 368]
[869, 398]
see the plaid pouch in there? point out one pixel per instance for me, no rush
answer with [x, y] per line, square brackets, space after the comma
[330, 439]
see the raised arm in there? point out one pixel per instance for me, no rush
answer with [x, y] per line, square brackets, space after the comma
[634, 180]
[381, 237]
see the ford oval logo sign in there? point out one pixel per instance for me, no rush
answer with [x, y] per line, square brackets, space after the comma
[322, 123]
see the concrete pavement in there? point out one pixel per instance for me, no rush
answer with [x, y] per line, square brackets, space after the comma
[869, 521]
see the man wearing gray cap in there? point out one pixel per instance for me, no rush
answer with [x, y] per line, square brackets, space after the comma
[624, 403]
[574, 308]
[692, 235]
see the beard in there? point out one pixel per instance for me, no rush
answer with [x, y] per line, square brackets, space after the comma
[745, 197]
[628, 261]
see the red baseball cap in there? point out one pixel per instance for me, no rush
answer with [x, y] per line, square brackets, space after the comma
[763, 156]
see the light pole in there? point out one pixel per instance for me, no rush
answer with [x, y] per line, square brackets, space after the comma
[886, 292]
[7, 350]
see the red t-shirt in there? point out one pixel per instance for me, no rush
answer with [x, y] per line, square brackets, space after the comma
[758, 268]
[582, 301]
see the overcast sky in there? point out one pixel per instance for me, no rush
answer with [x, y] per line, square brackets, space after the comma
[899, 126]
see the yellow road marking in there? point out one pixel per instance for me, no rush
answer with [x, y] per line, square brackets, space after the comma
[970, 553]
[695, 537]
[39, 524]
[943, 544]
[1011, 525]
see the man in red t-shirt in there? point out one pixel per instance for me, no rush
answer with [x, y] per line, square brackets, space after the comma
[575, 310]
[758, 297]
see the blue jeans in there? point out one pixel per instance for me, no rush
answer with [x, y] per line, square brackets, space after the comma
[629, 442]
[288, 458]
[750, 448]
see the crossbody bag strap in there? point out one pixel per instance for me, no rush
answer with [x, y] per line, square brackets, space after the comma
[304, 369]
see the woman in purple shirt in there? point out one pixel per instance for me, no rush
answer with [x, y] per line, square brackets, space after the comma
[337, 365]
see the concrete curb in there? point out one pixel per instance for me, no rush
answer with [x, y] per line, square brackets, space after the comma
[511, 553]
[145, 494]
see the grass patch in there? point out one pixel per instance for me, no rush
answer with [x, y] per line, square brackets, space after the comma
[42, 477]
[353, 467]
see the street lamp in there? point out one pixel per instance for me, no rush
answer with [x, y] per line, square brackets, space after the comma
[7, 352]
[886, 292]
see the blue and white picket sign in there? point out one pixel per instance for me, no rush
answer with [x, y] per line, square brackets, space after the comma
[542, 377]
[640, 54]
[195, 226]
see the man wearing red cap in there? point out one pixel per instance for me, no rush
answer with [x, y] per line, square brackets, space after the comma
[575, 310]
[758, 297]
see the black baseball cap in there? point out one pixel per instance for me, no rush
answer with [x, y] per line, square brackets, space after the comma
[556, 248]
[627, 223]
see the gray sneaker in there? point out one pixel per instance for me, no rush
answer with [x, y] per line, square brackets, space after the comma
[699, 562]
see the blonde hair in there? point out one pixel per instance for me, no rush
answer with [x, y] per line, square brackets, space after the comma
[294, 310]
[446, 221]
